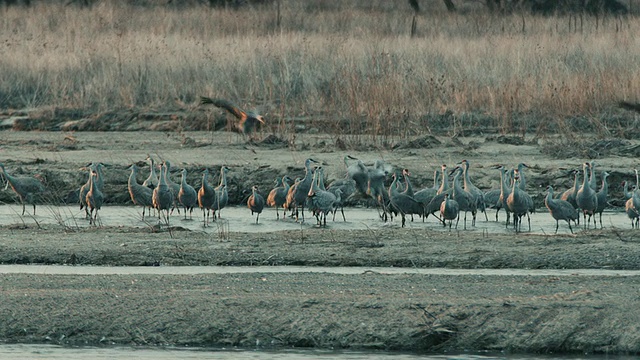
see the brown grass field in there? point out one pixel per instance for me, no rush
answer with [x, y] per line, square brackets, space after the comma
[350, 64]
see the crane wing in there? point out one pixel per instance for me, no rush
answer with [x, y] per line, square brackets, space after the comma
[224, 104]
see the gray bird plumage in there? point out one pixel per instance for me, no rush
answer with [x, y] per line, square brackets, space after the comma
[560, 209]
[84, 189]
[603, 196]
[163, 198]
[278, 195]
[173, 186]
[632, 208]
[206, 198]
[321, 202]
[425, 195]
[94, 198]
[402, 203]
[449, 210]
[255, 202]
[247, 121]
[570, 194]
[300, 191]
[152, 180]
[222, 191]
[466, 201]
[469, 187]
[187, 195]
[27, 188]
[586, 198]
[140, 195]
[519, 204]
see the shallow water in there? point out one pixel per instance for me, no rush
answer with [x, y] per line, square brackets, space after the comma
[53, 352]
[192, 270]
[239, 219]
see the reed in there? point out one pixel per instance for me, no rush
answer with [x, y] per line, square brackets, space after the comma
[350, 69]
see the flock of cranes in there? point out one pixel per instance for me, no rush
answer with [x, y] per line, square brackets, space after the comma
[451, 198]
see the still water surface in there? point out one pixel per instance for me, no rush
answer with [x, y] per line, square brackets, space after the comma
[53, 352]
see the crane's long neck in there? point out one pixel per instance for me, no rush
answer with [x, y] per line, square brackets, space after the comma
[409, 189]
[456, 183]
[205, 174]
[163, 175]
[605, 183]
[465, 177]
[549, 195]
[585, 172]
[625, 190]
[223, 177]
[503, 184]
[10, 179]
[183, 181]
[436, 178]
[314, 183]
[445, 184]
[132, 177]
[321, 180]
[523, 180]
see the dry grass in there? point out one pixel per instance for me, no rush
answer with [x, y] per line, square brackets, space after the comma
[353, 70]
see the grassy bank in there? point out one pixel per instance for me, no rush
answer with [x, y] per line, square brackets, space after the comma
[356, 65]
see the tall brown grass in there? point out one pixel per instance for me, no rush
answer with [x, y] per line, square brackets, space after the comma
[344, 68]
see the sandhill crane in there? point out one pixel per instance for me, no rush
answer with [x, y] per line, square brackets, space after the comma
[84, 189]
[343, 189]
[626, 191]
[163, 195]
[519, 203]
[434, 205]
[173, 186]
[570, 194]
[586, 198]
[425, 195]
[187, 195]
[94, 198]
[358, 172]
[593, 181]
[376, 190]
[152, 180]
[222, 191]
[278, 195]
[403, 203]
[560, 209]
[469, 187]
[505, 191]
[206, 198]
[27, 188]
[321, 202]
[140, 195]
[255, 202]
[632, 208]
[449, 210]
[603, 196]
[301, 190]
[523, 180]
[247, 120]
[466, 201]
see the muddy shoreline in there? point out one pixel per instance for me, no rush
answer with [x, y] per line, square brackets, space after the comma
[404, 312]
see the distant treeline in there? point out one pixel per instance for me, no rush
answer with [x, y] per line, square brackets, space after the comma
[544, 7]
